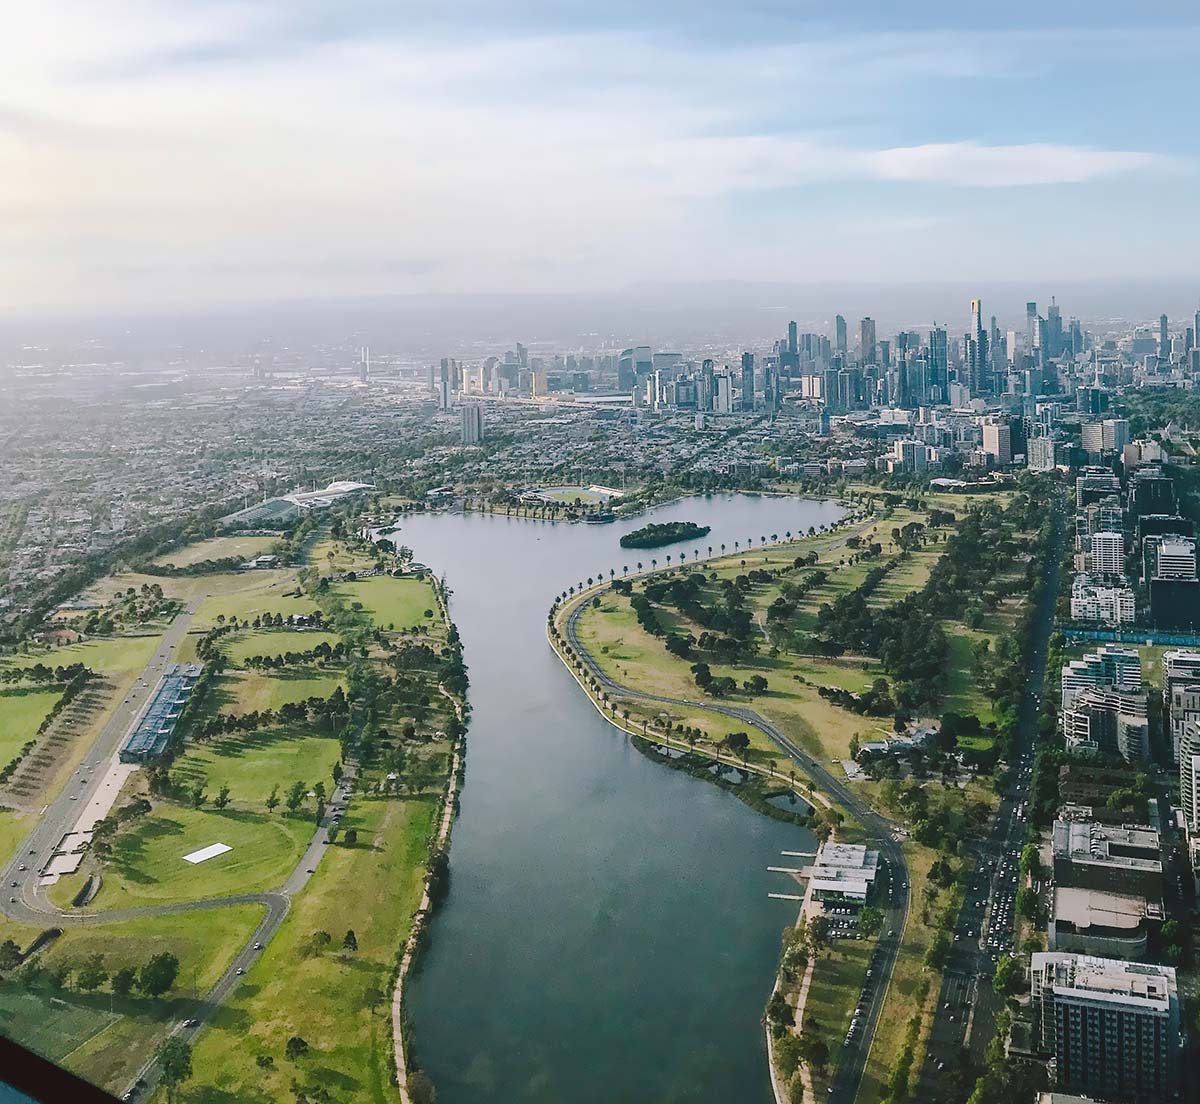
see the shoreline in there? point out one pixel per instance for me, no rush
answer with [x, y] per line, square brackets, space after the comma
[401, 1058]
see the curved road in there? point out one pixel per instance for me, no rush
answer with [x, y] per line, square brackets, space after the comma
[853, 1060]
[24, 899]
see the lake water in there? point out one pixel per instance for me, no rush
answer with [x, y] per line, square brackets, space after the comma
[608, 935]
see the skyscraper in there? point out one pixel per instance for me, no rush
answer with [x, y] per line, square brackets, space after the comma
[1164, 340]
[1031, 327]
[978, 364]
[839, 335]
[472, 423]
[792, 339]
[1054, 329]
[866, 340]
[747, 381]
[939, 365]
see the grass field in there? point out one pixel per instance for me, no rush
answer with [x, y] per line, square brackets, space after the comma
[833, 994]
[77, 1029]
[372, 888]
[119, 656]
[250, 763]
[147, 866]
[218, 548]
[246, 691]
[270, 642]
[21, 711]
[247, 595]
[14, 827]
[392, 603]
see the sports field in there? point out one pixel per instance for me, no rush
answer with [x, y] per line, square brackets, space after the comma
[272, 642]
[218, 548]
[392, 603]
[250, 763]
[147, 865]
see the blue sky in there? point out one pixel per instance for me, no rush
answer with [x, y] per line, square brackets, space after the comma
[205, 152]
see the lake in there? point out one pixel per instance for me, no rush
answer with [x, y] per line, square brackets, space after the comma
[608, 934]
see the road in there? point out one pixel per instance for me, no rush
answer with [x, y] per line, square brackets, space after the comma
[25, 900]
[984, 931]
[853, 1060]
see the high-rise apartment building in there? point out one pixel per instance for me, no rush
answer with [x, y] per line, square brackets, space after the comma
[472, 423]
[1108, 552]
[1112, 1027]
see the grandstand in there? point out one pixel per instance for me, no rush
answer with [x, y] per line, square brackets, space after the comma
[154, 728]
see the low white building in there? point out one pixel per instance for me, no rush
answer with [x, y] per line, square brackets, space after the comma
[842, 872]
[1092, 600]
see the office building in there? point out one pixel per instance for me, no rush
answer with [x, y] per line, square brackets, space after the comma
[1039, 454]
[1092, 922]
[1111, 1027]
[747, 381]
[997, 442]
[839, 335]
[1112, 858]
[867, 345]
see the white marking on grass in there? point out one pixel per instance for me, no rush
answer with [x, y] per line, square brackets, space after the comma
[209, 852]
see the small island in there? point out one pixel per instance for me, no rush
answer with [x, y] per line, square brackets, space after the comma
[656, 535]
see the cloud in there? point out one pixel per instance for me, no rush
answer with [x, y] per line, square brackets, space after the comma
[974, 165]
[221, 150]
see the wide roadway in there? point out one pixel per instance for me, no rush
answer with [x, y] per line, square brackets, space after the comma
[984, 929]
[853, 1058]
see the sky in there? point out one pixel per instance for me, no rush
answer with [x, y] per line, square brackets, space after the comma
[195, 152]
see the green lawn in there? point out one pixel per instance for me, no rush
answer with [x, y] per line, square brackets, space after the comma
[248, 595]
[21, 711]
[373, 888]
[77, 1029]
[218, 548]
[14, 827]
[250, 763]
[115, 655]
[271, 642]
[833, 995]
[147, 866]
[395, 603]
[246, 691]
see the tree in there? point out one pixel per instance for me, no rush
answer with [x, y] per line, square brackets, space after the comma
[738, 743]
[870, 920]
[351, 837]
[124, 980]
[158, 974]
[273, 799]
[350, 941]
[372, 997]
[1007, 978]
[222, 797]
[175, 1064]
[295, 1047]
[198, 795]
[295, 795]
[92, 974]
[10, 956]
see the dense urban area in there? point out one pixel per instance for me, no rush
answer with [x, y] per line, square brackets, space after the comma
[236, 714]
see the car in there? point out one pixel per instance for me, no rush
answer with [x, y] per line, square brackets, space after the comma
[190, 1023]
[12, 900]
[15, 884]
[241, 970]
[21, 867]
[258, 946]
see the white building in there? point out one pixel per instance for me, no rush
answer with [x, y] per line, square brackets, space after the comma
[842, 872]
[1112, 665]
[1108, 605]
[1108, 553]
